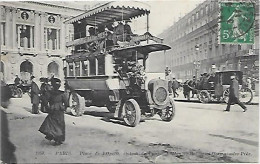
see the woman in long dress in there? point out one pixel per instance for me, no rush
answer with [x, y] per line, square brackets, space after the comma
[54, 125]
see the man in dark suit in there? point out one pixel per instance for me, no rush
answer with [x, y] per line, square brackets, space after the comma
[35, 99]
[234, 94]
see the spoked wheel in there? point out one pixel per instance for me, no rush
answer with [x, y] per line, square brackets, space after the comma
[168, 113]
[76, 105]
[204, 96]
[19, 93]
[131, 112]
[246, 95]
[226, 95]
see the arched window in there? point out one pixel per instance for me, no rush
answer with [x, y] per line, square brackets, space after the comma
[53, 69]
[26, 70]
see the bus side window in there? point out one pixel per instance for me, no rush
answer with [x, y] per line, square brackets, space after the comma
[85, 68]
[77, 69]
[101, 65]
[70, 69]
[92, 66]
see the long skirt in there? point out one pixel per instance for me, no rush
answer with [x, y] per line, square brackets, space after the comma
[54, 126]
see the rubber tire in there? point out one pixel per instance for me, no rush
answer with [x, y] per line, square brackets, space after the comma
[76, 104]
[168, 119]
[137, 111]
[251, 95]
[19, 93]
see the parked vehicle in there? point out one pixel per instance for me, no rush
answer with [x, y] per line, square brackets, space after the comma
[16, 91]
[112, 73]
[218, 89]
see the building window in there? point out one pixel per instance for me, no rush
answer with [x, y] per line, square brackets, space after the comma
[53, 69]
[2, 33]
[25, 36]
[239, 47]
[52, 38]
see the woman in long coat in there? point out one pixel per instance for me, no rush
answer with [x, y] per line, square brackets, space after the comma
[45, 94]
[54, 125]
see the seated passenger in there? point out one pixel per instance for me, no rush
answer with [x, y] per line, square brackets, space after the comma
[118, 33]
[101, 28]
[91, 31]
[127, 30]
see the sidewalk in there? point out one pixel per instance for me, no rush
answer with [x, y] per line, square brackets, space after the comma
[255, 100]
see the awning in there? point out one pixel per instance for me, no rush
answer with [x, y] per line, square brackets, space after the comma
[120, 10]
[144, 49]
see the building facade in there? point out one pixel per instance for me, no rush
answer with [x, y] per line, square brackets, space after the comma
[196, 48]
[33, 38]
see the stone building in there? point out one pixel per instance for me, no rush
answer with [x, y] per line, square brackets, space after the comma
[33, 38]
[195, 45]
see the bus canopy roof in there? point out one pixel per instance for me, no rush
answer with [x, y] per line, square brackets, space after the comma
[119, 10]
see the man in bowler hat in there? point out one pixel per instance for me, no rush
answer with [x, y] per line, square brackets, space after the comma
[234, 94]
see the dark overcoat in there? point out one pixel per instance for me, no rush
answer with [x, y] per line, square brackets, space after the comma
[234, 89]
[35, 99]
[54, 124]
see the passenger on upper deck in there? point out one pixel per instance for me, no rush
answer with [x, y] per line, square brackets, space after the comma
[127, 29]
[91, 31]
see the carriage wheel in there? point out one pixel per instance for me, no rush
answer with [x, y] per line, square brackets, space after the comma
[246, 95]
[19, 93]
[168, 113]
[204, 96]
[226, 95]
[131, 112]
[76, 104]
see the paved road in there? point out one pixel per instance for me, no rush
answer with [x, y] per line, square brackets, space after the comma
[198, 133]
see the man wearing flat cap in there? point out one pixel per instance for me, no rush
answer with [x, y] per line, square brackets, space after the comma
[234, 94]
[35, 99]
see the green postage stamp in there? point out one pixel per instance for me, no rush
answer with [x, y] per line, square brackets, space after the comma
[237, 22]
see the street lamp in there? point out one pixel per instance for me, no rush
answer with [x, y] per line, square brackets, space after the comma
[196, 62]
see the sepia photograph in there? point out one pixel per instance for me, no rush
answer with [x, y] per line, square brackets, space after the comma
[148, 81]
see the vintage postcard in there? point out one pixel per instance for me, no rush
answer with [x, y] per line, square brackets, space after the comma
[174, 81]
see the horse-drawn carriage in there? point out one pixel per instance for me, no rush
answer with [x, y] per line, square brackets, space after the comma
[108, 68]
[20, 89]
[218, 88]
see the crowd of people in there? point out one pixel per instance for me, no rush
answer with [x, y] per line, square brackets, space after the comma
[117, 31]
[53, 101]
